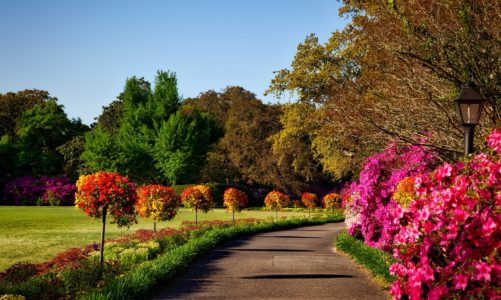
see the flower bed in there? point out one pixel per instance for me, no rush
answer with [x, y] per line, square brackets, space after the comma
[76, 272]
[443, 226]
[28, 190]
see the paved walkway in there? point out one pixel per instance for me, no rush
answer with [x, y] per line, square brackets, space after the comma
[292, 264]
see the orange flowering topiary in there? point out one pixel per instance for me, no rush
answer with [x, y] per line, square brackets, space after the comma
[309, 200]
[157, 202]
[110, 192]
[198, 197]
[332, 201]
[276, 200]
[235, 200]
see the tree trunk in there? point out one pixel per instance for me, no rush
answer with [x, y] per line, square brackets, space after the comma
[101, 260]
[154, 226]
[233, 217]
[196, 216]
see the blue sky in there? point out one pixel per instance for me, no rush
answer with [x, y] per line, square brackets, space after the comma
[82, 51]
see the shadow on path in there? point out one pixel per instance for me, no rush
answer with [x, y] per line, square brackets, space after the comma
[298, 276]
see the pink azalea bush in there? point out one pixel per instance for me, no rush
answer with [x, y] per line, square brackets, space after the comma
[450, 236]
[368, 202]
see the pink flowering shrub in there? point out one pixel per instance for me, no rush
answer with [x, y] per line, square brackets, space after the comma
[450, 238]
[368, 202]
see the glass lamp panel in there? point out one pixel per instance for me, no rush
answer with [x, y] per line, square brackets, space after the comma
[470, 112]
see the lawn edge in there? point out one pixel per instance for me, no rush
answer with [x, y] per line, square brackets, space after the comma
[374, 261]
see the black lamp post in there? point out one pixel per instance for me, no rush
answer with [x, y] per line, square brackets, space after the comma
[469, 104]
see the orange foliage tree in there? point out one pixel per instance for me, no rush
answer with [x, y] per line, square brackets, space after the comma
[157, 202]
[198, 197]
[234, 200]
[276, 200]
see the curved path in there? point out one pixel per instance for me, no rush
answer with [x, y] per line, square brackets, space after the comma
[299, 263]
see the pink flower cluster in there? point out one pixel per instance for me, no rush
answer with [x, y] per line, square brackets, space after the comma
[368, 202]
[450, 236]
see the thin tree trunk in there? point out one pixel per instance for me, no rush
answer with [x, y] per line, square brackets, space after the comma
[154, 226]
[196, 216]
[233, 215]
[101, 261]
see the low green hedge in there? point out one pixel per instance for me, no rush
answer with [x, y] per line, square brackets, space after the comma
[139, 282]
[376, 261]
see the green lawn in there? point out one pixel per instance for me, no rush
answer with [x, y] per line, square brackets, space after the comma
[36, 234]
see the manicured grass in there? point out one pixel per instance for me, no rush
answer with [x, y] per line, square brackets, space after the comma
[374, 260]
[36, 234]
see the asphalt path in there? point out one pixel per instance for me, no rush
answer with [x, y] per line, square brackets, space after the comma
[300, 263]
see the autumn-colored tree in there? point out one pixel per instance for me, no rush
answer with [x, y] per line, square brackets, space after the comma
[157, 203]
[198, 197]
[331, 201]
[395, 71]
[310, 201]
[234, 200]
[276, 200]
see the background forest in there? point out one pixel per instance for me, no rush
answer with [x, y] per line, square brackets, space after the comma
[392, 74]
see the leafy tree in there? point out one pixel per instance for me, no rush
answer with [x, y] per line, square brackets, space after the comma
[111, 117]
[40, 131]
[13, 105]
[182, 144]
[395, 71]
[101, 151]
[72, 151]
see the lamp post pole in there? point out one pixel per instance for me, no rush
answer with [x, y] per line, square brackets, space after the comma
[468, 139]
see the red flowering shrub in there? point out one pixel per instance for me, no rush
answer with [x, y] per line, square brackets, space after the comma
[309, 200]
[331, 201]
[276, 200]
[106, 189]
[157, 202]
[235, 200]
[450, 237]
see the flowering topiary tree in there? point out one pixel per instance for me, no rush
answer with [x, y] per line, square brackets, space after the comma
[448, 245]
[198, 197]
[104, 193]
[276, 200]
[234, 200]
[310, 201]
[331, 201]
[157, 202]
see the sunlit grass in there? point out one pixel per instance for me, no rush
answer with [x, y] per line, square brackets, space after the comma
[36, 234]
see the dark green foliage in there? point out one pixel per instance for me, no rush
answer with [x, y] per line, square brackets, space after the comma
[375, 260]
[71, 152]
[101, 151]
[182, 144]
[13, 105]
[111, 117]
[39, 132]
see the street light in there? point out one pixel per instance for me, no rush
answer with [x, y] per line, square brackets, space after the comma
[469, 104]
